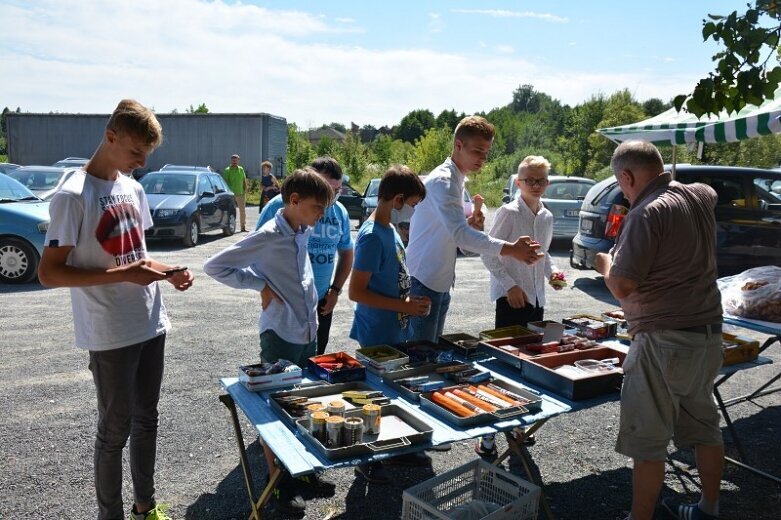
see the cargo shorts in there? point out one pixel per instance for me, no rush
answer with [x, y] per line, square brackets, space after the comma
[668, 393]
[273, 348]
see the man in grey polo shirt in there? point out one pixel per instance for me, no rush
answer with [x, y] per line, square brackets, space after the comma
[663, 271]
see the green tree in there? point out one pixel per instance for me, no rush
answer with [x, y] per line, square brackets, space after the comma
[620, 109]
[414, 125]
[200, 109]
[574, 144]
[353, 156]
[336, 126]
[327, 146]
[448, 119]
[747, 70]
[654, 106]
[431, 150]
[299, 149]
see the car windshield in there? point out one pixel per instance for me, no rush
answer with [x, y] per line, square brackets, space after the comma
[374, 188]
[567, 190]
[12, 190]
[168, 184]
[40, 180]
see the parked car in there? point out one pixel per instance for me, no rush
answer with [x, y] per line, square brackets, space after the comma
[181, 168]
[6, 167]
[71, 162]
[24, 220]
[563, 197]
[185, 204]
[352, 200]
[42, 180]
[748, 217]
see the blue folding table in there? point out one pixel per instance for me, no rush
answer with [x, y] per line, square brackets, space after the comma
[298, 457]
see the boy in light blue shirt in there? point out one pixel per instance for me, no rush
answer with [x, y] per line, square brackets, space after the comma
[330, 247]
[274, 261]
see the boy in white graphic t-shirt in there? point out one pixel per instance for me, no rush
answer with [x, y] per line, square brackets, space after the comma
[95, 245]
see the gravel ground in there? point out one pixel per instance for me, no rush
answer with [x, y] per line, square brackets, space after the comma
[48, 405]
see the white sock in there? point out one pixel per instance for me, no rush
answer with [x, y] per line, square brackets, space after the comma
[709, 508]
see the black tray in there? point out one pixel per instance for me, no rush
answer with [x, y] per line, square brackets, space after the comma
[422, 351]
[428, 369]
[398, 429]
[323, 393]
[482, 418]
[453, 341]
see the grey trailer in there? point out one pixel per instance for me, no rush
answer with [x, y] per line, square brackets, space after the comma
[188, 139]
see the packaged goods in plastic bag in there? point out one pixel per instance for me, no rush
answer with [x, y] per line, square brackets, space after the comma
[754, 293]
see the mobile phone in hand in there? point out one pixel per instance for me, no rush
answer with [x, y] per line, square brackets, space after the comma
[172, 271]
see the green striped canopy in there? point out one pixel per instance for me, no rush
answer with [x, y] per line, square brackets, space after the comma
[673, 127]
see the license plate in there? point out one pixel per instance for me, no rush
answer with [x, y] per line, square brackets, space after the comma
[586, 225]
[572, 212]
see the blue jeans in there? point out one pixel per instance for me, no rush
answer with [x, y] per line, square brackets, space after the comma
[429, 328]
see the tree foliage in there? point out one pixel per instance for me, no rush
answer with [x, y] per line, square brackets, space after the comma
[747, 71]
[414, 125]
[200, 109]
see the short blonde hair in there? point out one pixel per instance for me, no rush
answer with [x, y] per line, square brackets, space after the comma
[133, 118]
[474, 126]
[534, 162]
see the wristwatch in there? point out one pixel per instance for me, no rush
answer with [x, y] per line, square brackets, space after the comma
[335, 289]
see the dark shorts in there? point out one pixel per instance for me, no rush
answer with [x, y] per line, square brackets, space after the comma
[273, 348]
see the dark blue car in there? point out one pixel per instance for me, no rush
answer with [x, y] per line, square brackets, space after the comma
[748, 217]
[185, 204]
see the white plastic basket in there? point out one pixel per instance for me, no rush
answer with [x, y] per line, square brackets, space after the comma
[476, 480]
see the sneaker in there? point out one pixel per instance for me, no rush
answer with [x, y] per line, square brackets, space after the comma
[529, 440]
[685, 511]
[156, 513]
[286, 497]
[485, 452]
[373, 473]
[441, 447]
[316, 483]
[418, 458]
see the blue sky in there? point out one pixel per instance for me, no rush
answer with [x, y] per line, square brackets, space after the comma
[366, 62]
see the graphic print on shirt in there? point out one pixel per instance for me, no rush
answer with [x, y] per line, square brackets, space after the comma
[323, 241]
[404, 282]
[120, 229]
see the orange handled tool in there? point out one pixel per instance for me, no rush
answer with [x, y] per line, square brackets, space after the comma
[475, 401]
[451, 405]
[498, 395]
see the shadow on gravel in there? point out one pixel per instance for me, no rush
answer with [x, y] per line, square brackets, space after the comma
[177, 245]
[596, 288]
[23, 288]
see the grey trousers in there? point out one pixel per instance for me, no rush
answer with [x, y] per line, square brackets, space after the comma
[127, 383]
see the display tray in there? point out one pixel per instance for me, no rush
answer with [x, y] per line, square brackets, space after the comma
[464, 344]
[492, 347]
[354, 370]
[592, 327]
[511, 332]
[428, 369]
[322, 393]
[738, 349]
[381, 358]
[534, 404]
[573, 385]
[398, 429]
[421, 352]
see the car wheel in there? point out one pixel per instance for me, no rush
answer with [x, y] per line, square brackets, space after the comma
[191, 232]
[231, 227]
[18, 261]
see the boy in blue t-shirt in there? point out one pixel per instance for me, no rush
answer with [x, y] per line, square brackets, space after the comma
[380, 283]
[330, 247]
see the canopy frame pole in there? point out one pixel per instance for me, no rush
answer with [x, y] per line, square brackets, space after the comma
[672, 173]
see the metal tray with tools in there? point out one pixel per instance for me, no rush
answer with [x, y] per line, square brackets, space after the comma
[390, 378]
[464, 344]
[398, 429]
[322, 393]
[534, 404]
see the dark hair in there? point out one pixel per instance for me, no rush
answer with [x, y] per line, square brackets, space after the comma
[308, 184]
[133, 118]
[328, 166]
[399, 179]
[474, 126]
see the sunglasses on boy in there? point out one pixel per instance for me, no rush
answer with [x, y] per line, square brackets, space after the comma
[535, 182]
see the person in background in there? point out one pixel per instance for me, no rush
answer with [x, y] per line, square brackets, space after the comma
[438, 227]
[269, 184]
[673, 307]
[380, 286]
[274, 261]
[330, 247]
[236, 180]
[518, 288]
[95, 245]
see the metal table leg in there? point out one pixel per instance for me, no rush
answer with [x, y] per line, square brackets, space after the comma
[276, 475]
[515, 447]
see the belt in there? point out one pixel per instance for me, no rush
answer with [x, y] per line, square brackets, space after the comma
[714, 328]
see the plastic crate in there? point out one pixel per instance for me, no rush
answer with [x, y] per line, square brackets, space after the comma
[476, 480]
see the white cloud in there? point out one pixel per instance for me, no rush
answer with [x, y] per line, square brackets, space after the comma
[435, 23]
[503, 13]
[243, 58]
[505, 49]
[345, 20]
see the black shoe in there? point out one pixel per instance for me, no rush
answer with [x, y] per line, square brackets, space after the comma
[686, 511]
[418, 458]
[286, 497]
[316, 483]
[373, 473]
